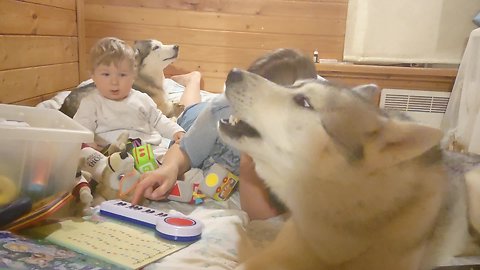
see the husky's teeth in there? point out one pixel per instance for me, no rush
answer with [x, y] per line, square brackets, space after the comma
[232, 120]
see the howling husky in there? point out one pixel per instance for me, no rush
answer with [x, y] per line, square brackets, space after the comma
[366, 190]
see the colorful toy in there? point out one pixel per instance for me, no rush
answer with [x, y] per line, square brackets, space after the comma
[217, 183]
[174, 227]
[187, 190]
[144, 159]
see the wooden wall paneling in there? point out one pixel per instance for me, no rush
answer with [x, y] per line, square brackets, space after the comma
[82, 47]
[28, 51]
[213, 84]
[205, 67]
[66, 4]
[25, 83]
[327, 8]
[216, 21]
[226, 33]
[38, 49]
[170, 35]
[18, 17]
[211, 53]
[206, 49]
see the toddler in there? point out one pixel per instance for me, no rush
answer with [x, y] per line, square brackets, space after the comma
[114, 107]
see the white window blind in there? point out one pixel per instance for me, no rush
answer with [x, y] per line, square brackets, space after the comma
[408, 31]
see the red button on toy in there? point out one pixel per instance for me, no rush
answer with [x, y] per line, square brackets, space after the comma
[180, 221]
[179, 228]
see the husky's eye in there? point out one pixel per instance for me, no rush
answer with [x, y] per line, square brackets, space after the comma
[156, 47]
[303, 101]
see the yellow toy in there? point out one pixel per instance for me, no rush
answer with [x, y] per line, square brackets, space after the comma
[218, 183]
[8, 190]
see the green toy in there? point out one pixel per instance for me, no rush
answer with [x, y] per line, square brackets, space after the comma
[144, 159]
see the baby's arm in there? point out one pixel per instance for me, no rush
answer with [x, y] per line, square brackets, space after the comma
[166, 127]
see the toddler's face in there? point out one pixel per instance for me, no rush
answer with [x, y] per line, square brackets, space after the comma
[114, 81]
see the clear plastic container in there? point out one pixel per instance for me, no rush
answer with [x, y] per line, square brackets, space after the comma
[39, 149]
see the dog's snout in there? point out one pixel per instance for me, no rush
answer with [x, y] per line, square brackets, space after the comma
[176, 47]
[235, 75]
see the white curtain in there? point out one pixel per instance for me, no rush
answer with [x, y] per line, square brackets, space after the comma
[461, 121]
[408, 31]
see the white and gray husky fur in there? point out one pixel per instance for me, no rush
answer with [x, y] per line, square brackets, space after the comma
[151, 57]
[366, 190]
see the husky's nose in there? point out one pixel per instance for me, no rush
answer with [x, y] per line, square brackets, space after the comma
[175, 48]
[235, 75]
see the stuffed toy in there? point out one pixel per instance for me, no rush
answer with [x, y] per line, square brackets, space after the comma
[114, 176]
[119, 145]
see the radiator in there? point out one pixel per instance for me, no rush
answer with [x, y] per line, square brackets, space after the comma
[426, 107]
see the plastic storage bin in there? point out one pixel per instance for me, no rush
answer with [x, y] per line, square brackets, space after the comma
[39, 149]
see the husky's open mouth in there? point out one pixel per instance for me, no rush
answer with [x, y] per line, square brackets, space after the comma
[172, 57]
[236, 128]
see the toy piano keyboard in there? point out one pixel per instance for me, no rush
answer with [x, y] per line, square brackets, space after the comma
[170, 227]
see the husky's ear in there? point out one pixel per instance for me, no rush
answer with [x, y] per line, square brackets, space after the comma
[370, 92]
[142, 48]
[399, 141]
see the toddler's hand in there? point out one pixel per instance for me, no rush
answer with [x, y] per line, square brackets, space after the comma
[178, 136]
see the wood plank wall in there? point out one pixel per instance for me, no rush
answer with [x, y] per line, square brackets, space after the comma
[38, 49]
[217, 35]
[44, 44]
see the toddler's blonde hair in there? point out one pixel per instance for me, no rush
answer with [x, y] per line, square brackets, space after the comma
[110, 50]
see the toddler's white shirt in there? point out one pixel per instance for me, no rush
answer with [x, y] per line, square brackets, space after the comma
[137, 113]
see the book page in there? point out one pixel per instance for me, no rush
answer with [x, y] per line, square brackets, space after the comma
[113, 242]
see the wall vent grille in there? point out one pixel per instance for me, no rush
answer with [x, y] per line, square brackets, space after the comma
[426, 107]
